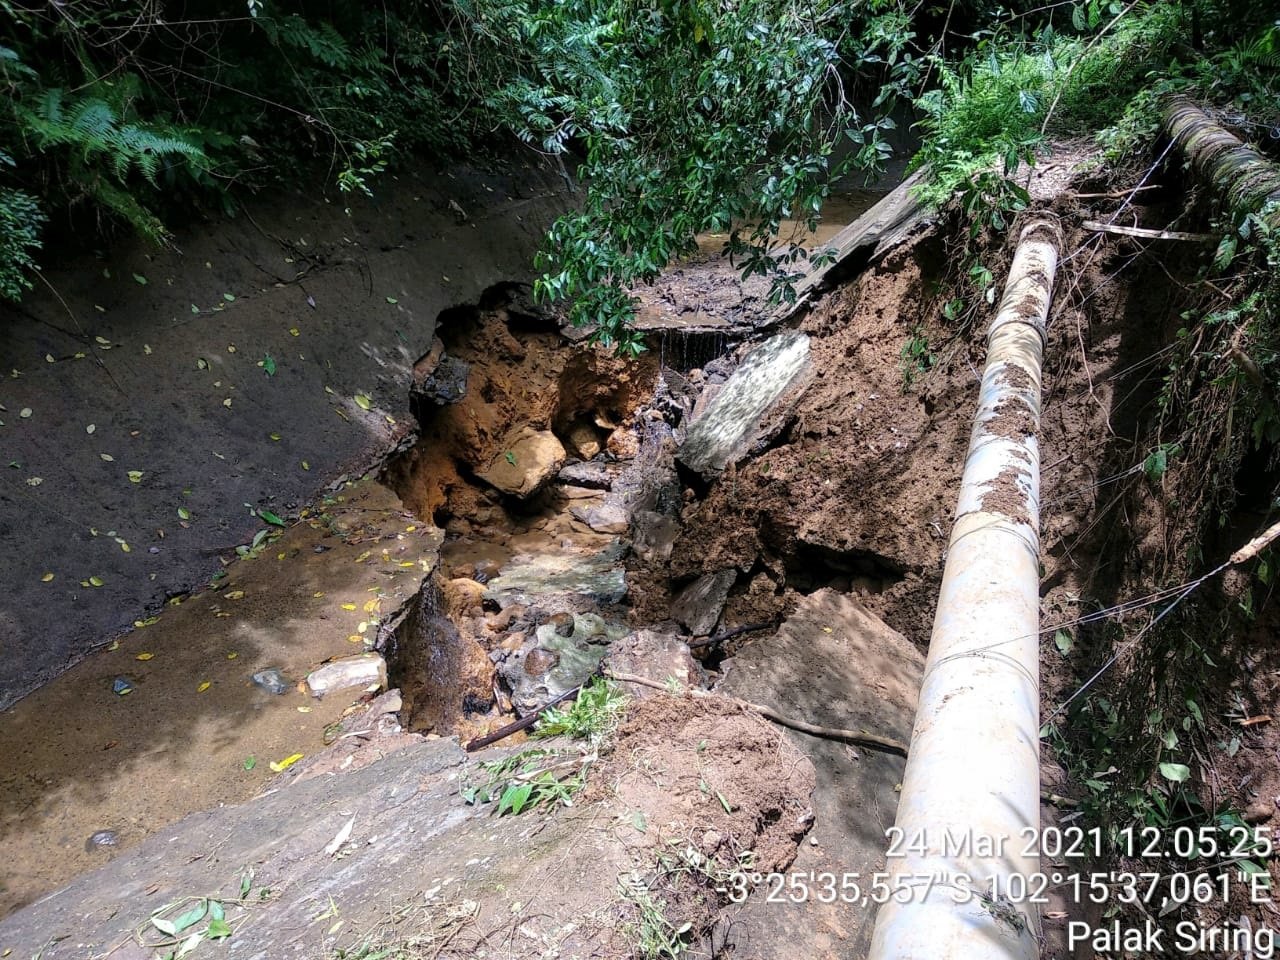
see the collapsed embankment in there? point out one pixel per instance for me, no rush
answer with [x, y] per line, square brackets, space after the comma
[573, 534]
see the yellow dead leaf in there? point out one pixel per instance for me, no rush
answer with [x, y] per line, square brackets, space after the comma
[304, 709]
[205, 685]
[348, 606]
[285, 764]
[115, 645]
[235, 595]
[371, 606]
[144, 656]
[294, 331]
[354, 638]
[232, 655]
[318, 594]
[46, 578]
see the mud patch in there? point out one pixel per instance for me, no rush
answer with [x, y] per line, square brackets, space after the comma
[718, 790]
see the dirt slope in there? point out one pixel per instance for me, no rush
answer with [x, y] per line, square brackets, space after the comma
[155, 362]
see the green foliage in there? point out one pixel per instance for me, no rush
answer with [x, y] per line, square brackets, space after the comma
[546, 777]
[994, 110]
[123, 113]
[690, 116]
[20, 222]
[917, 357]
[592, 717]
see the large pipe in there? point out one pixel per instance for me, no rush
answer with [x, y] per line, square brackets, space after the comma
[969, 811]
[1243, 176]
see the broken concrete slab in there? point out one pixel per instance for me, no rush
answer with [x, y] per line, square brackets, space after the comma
[894, 218]
[832, 663]
[771, 375]
[362, 670]
[528, 461]
[439, 378]
[699, 605]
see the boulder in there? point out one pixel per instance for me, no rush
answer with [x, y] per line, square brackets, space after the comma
[699, 605]
[623, 443]
[607, 517]
[444, 676]
[529, 459]
[555, 661]
[438, 377]
[655, 536]
[583, 439]
[597, 476]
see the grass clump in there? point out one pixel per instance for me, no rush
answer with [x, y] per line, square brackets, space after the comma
[549, 776]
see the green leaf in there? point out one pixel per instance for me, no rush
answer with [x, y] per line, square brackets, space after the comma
[164, 926]
[1175, 772]
[271, 518]
[269, 365]
[392, 300]
[246, 879]
[638, 821]
[510, 458]
[184, 513]
[1062, 640]
[191, 917]
[216, 910]
[219, 929]
[249, 763]
[139, 278]
[188, 945]
[514, 798]
[363, 401]
[230, 298]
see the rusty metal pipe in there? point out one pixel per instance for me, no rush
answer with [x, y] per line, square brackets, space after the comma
[969, 807]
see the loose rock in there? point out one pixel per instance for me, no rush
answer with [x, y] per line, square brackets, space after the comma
[529, 459]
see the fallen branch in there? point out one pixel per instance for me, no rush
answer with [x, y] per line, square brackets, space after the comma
[1116, 194]
[1150, 234]
[1256, 545]
[729, 634]
[528, 720]
[860, 737]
